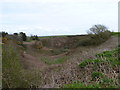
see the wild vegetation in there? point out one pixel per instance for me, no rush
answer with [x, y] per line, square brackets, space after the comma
[14, 75]
[106, 62]
[68, 61]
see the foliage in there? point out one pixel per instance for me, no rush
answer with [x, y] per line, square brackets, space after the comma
[14, 75]
[115, 33]
[97, 29]
[85, 63]
[96, 75]
[4, 34]
[97, 35]
[35, 37]
[89, 61]
[23, 36]
[15, 34]
[111, 56]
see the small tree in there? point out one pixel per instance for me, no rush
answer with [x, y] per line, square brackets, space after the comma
[97, 35]
[35, 37]
[4, 34]
[97, 29]
[23, 36]
[16, 34]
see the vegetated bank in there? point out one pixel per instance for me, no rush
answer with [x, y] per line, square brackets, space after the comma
[103, 73]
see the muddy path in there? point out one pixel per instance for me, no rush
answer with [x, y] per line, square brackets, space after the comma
[59, 74]
[32, 62]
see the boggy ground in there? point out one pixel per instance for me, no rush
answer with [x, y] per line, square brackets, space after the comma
[63, 68]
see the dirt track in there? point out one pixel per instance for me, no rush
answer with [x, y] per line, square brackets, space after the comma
[31, 62]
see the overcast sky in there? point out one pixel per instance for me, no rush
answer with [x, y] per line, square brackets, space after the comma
[57, 17]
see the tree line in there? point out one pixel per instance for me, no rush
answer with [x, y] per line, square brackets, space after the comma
[21, 34]
[99, 32]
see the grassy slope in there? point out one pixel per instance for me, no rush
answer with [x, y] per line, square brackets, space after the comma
[14, 75]
[109, 58]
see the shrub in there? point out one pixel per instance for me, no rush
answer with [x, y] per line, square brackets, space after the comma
[23, 36]
[38, 45]
[4, 34]
[97, 61]
[105, 54]
[85, 63]
[96, 75]
[96, 29]
[105, 81]
[98, 34]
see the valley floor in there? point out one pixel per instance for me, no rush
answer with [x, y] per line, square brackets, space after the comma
[66, 70]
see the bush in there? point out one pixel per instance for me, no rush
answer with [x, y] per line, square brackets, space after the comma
[85, 63]
[97, 39]
[97, 35]
[105, 54]
[96, 75]
[35, 37]
[23, 36]
[38, 45]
